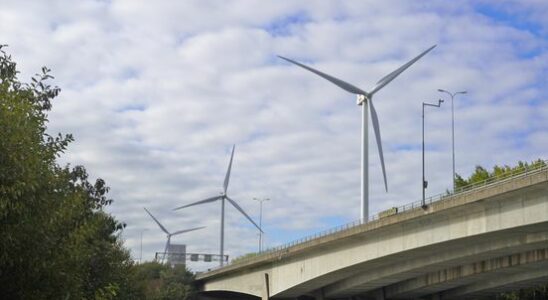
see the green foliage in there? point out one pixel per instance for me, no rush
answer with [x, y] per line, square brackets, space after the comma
[161, 282]
[149, 270]
[481, 174]
[534, 293]
[57, 241]
[244, 257]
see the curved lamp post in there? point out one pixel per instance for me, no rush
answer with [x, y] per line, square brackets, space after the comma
[424, 182]
[261, 200]
[452, 128]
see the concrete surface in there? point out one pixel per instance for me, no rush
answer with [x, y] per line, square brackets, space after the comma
[456, 247]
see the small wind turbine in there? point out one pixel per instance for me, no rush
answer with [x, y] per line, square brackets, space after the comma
[169, 235]
[367, 98]
[223, 196]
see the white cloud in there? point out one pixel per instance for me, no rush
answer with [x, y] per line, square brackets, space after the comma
[156, 94]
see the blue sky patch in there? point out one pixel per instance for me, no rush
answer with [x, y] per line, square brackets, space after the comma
[282, 26]
[407, 147]
[129, 73]
[515, 20]
[133, 107]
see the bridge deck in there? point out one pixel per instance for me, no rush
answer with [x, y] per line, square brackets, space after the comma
[357, 230]
[476, 242]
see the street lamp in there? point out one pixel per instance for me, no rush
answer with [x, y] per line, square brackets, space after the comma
[141, 253]
[424, 182]
[452, 128]
[261, 200]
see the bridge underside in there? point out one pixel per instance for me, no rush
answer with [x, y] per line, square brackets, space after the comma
[482, 268]
[478, 245]
[222, 295]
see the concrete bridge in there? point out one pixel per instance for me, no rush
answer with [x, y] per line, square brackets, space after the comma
[474, 243]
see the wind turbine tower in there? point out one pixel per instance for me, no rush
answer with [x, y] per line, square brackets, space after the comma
[223, 196]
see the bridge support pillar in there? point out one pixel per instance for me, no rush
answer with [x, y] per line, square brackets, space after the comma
[266, 288]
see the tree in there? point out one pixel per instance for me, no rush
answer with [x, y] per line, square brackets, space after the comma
[499, 172]
[162, 282]
[57, 241]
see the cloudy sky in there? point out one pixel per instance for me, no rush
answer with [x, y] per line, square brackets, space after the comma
[157, 92]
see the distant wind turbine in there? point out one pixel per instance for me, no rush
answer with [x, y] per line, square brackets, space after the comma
[365, 97]
[223, 196]
[169, 234]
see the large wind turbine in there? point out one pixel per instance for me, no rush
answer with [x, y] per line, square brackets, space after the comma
[223, 196]
[169, 234]
[366, 98]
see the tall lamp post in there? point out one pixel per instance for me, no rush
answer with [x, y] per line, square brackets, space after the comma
[261, 200]
[424, 182]
[452, 128]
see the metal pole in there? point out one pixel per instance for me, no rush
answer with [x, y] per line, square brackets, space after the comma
[365, 163]
[260, 225]
[424, 182]
[261, 200]
[453, 137]
[453, 131]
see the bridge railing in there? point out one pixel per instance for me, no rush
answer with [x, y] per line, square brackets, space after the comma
[521, 171]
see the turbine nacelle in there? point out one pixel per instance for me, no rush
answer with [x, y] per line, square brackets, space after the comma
[361, 99]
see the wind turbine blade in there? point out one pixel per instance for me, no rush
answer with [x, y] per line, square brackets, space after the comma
[243, 212]
[375, 121]
[388, 78]
[186, 230]
[342, 84]
[157, 222]
[227, 177]
[199, 202]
